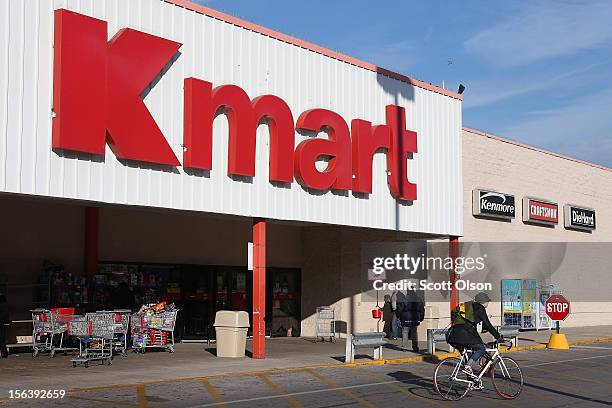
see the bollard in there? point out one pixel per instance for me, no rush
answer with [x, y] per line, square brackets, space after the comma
[431, 344]
[405, 330]
[349, 354]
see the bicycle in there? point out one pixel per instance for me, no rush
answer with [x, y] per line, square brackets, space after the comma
[452, 383]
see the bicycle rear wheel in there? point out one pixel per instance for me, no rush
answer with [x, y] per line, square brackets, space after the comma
[507, 378]
[449, 379]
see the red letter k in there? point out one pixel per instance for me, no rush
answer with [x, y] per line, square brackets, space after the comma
[97, 87]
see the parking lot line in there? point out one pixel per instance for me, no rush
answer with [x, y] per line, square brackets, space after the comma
[592, 347]
[141, 396]
[566, 361]
[295, 403]
[397, 387]
[213, 392]
[554, 390]
[587, 368]
[574, 377]
[341, 389]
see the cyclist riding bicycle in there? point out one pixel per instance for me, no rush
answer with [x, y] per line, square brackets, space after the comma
[463, 332]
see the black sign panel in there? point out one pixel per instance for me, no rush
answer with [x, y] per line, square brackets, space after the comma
[492, 204]
[579, 217]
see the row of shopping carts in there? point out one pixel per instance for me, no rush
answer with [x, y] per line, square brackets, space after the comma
[102, 334]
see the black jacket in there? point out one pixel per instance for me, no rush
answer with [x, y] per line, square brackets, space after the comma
[467, 334]
[410, 313]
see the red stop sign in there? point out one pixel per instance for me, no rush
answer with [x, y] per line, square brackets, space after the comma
[557, 307]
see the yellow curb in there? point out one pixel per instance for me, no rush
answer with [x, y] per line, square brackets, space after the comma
[524, 348]
[591, 341]
[399, 360]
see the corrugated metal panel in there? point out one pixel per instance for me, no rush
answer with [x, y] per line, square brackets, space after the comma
[221, 53]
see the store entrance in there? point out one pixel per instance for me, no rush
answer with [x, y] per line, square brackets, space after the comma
[206, 290]
[199, 291]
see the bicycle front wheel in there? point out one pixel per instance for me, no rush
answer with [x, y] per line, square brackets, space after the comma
[507, 378]
[449, 379]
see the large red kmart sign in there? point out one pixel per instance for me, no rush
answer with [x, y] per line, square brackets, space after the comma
[97, 100]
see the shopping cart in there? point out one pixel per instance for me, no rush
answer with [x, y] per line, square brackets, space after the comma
[153, 330]
[122, 323]
[121, 329]
[97, 344]
[80, 328]
[326, 323]
[47, 325]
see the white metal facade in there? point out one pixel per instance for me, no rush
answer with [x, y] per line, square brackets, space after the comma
[221, 53]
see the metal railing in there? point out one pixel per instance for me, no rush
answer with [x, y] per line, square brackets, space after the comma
[439, 335]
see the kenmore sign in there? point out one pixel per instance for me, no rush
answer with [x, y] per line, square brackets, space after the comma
[493, 204]
[579, 217]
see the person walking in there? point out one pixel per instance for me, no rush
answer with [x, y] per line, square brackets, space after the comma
[4, 320]
[410, 313]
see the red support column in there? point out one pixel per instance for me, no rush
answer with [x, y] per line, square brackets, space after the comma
[92, 219]
[453, 252]
[259, 288]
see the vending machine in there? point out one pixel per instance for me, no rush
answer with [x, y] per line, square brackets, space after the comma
[519, 302]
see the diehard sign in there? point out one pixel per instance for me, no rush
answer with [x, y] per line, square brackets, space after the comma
[579, 217]
[492, 204]
[557, 307]
[540, 211]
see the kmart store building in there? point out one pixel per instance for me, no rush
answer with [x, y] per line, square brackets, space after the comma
[207, 161]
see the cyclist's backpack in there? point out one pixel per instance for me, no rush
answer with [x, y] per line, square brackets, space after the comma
[463, 313]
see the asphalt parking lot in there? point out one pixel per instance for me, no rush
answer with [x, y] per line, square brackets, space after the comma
[579, 378]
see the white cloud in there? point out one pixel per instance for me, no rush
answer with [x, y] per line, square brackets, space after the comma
[582, 129]
[497, 89]
[545, 30]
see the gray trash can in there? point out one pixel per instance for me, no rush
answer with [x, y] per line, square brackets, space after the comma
[231, 330]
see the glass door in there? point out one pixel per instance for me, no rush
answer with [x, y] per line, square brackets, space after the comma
[284, 301]
[222, 288]
[197, 311]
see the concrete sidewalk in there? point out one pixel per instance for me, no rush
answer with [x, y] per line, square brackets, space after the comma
[198, 360]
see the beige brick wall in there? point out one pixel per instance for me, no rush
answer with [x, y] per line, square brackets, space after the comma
[491, 162]
[495, 164]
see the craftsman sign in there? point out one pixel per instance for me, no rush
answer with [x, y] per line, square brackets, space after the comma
[492, 204]
[579, 217]
[540, 211]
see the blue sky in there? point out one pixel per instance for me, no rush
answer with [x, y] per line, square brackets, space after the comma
[539, 72]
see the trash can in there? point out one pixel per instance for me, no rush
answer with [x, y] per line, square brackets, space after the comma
[231, 330]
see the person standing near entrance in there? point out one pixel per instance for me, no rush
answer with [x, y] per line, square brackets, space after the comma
[4, 319]
[396, 297]
[410, 313]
